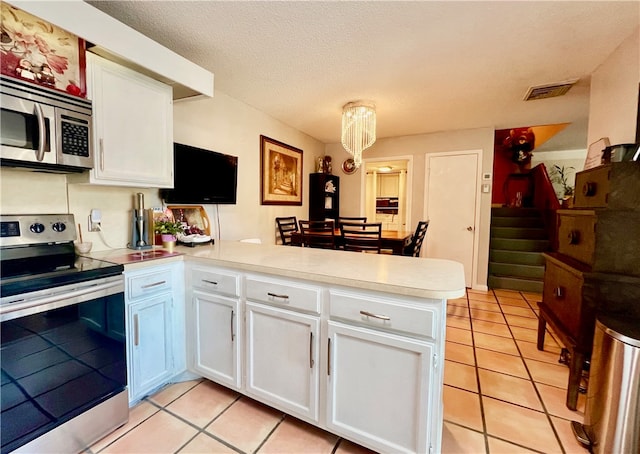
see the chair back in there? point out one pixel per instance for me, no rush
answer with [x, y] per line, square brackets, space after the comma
[318, 234]
[342, 219]
[361, 236]
[413, 249]
[287, 225]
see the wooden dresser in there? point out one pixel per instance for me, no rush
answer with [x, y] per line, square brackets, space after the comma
[596, 268]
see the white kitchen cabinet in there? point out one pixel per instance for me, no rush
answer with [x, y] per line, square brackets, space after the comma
[282, 359]
[132, 127]
[388, 185]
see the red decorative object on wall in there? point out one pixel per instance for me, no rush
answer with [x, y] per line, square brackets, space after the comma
[38, 52]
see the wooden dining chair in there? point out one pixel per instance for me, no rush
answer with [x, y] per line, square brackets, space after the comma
[287, 225]
[361, 236]
[318, 234]
[413, 249]
[361, 219]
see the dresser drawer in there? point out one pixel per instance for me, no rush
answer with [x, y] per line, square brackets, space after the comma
[562, 294]
[384, 314]
[576, 234]
[216, 280]
[284, 293]
[614, 186]
[150, 283]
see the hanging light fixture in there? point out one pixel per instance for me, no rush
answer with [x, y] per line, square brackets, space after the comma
[358, 128]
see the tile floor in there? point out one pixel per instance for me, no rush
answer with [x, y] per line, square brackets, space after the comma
[501, 395]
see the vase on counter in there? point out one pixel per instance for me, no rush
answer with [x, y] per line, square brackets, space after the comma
[168, 241]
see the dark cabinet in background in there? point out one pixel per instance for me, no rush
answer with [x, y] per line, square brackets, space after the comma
[324, 196]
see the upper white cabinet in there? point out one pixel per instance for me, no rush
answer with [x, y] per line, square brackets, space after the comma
[133, 126]
[388, 185]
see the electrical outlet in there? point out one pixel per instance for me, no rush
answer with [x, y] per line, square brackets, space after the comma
[95, 218]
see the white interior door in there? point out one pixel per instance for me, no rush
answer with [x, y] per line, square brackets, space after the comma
[451, 207]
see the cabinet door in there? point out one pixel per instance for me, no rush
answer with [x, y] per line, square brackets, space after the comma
[133, 125]
[150, 359]
[379, 389]
[282, 359]
[215, 350]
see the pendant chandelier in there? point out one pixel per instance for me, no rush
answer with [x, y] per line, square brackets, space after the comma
[358, 128]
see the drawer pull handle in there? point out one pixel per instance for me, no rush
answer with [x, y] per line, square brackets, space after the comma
[574, 237]
[136, 334]
[370, 314]
[233, 335]
[155, 284]
[311, 350]
[275, 295]
[559, 292]
[589, 189]
[329, 356]
[210, 282]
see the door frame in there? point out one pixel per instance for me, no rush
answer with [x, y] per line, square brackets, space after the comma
[408, 189]
[476, 214]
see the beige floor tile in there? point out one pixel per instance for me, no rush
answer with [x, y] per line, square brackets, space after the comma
[487, 297]
[204, 444]
[458, 322]
[519, 425]
[458, 440]
[457, 311]
[507, 293]
[495, 317]
[501, 362]
[203, 403]
[172, 392]
[137, 414]
[568, 440]
[554, 400]
[161, 433]
[459, 353]
[525, 334]
[471, 291]
[502, 447]
[460, 376]
[348, 447]
[532, 297]
[457, 302]
[484, 306]
[294, 436]
[513, 302]
[521, 311]
[521, 322]
[550, 374]
[497, 329]
[550, 354]
[515, 390]
[495, 343]
[460, 336]
[462, 407]
[245, 424]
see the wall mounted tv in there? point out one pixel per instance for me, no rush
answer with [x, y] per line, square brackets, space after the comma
[202, 176]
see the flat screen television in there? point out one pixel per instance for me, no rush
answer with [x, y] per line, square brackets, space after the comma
[202, 176]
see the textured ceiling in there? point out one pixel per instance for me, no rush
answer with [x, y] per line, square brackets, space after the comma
[429, 66]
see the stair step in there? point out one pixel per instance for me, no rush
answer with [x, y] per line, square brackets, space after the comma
[523, 233]
[514, 270]
[516, 257]
[510, 244]
[510, 283]
[515, 212]
[516, 221]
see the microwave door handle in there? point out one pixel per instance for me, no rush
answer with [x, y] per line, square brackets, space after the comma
[42, 128]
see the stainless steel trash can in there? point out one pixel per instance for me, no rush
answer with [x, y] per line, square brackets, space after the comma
[612, 413]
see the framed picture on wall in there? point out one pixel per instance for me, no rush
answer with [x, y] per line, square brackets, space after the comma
[280, 173]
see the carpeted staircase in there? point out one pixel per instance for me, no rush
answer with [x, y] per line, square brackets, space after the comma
[518, 239]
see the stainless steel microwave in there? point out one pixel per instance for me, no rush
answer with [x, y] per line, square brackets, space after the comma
[44, 129]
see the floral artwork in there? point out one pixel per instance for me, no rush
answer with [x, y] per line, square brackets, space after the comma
[39, 52]
[281, 173]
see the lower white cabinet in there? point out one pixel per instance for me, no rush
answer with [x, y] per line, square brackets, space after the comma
[282, 359]
[378, 388]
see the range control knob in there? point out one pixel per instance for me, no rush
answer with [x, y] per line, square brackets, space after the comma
[59, 227]
[36, 227]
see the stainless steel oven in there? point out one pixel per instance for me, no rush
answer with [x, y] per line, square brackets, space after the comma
[62, 354]
[42, 128]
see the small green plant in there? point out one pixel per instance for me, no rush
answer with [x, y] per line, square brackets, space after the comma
[167, 226]
[560, 175]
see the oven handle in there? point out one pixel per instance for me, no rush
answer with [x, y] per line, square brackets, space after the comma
[62, 299]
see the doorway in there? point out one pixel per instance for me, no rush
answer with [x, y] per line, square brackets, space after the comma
[386, 197]
[452, 202]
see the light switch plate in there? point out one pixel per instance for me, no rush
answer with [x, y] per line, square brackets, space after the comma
[486, 187]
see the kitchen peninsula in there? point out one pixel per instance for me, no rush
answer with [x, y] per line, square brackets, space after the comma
[350, 342]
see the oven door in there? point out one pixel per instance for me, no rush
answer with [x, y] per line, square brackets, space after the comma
[26, 130]
[63, 353]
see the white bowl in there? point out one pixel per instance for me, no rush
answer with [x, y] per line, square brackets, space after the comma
[83, 248]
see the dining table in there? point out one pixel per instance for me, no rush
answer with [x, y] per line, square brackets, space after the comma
[390, 240]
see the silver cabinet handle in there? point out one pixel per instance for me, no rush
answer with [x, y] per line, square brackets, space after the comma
[233, 335]
[559, 292]
[101, 144]
[311, 350]
[209, 282]
[275, 295]
[42, 130]
[329, 356]
[155, 284]
[370, 314]
[136, 334]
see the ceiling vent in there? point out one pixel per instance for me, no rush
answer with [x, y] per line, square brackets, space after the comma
[549, 90]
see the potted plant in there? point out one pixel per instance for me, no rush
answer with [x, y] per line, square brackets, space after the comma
[560, 175]
[168, 230]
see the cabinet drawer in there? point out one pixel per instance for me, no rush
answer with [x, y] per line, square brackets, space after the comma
[150, 283]
[219, 281]
[576, 234]
[562, 293]
[615, 186]
[380, 313]
[289, 294]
